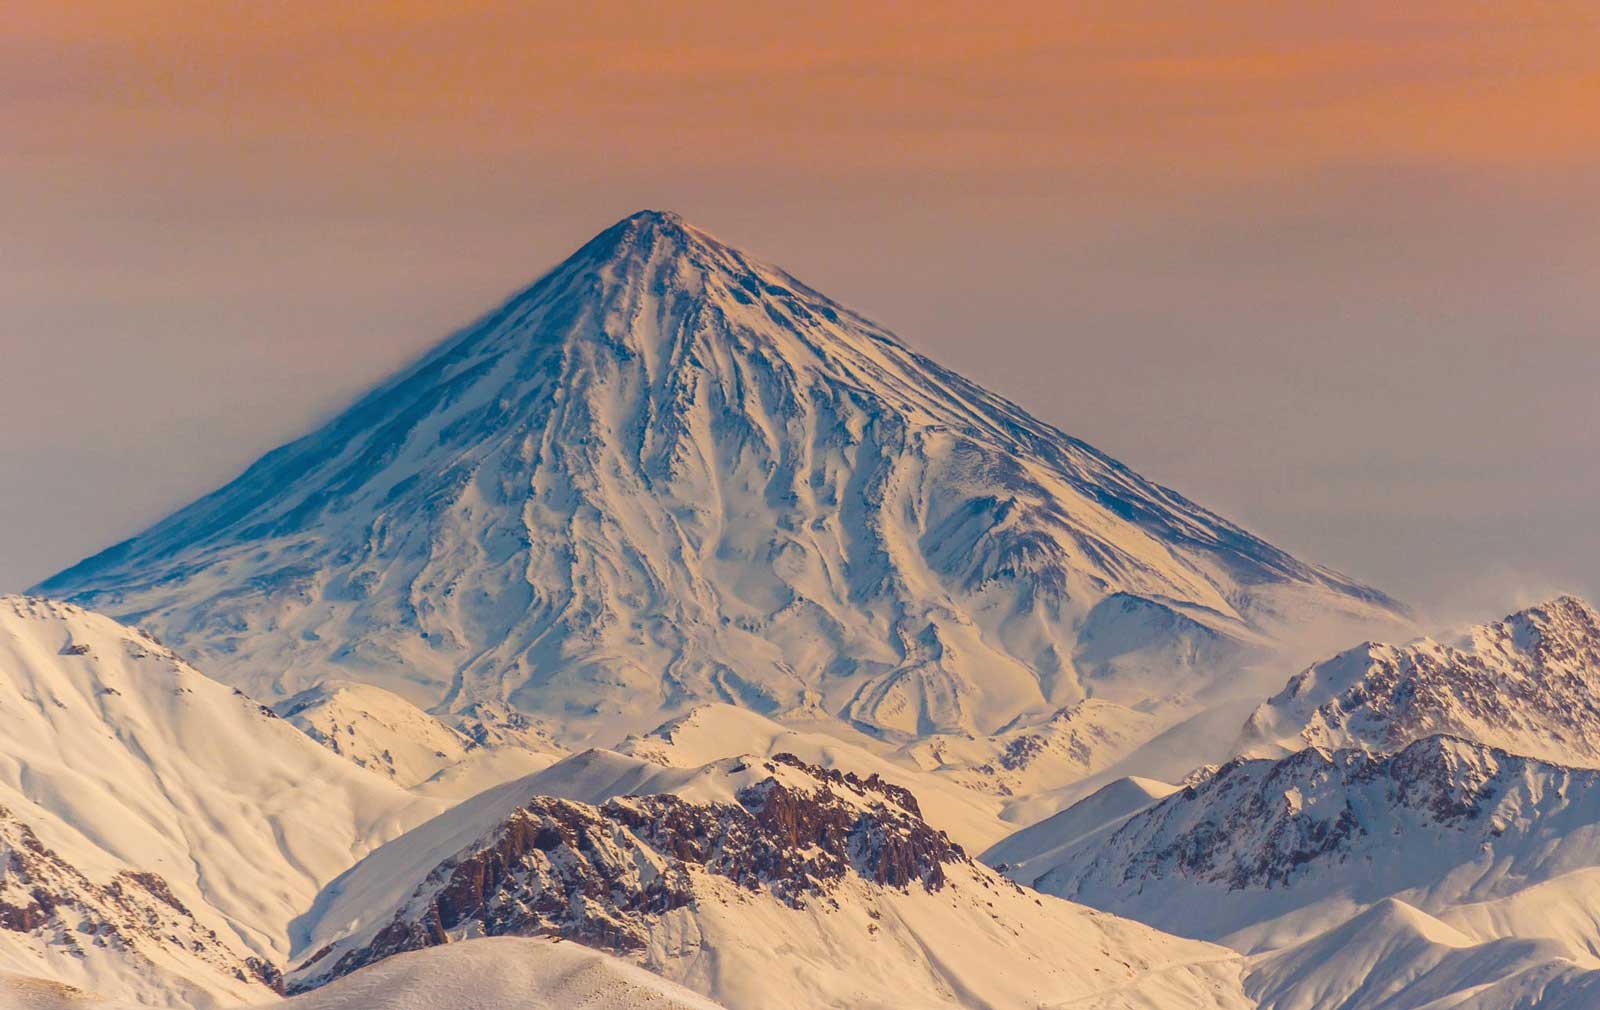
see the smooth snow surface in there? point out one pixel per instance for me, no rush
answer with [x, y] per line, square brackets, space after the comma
[1029, 852]
[1394, 957]
[20, 992]
[501, 973]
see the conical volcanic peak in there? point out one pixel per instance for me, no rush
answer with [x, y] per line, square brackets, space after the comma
[668, 473]
[632, 243]
[647, 230]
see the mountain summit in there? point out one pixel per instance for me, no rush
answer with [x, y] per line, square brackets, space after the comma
[667, 473]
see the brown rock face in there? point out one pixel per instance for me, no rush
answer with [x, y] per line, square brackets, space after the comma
[603, 875]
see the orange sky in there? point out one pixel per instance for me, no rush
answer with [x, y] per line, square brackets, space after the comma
[1227, 88]
[1289, 257]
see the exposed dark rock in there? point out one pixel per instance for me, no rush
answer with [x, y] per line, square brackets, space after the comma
[602, 875]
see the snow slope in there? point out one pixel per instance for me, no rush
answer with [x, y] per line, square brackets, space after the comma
[1029, 852]
[501, 973]
[122, 759]
[496, 973]
[1394, 957]
[1564, 908]
[1070, 745]
[1529, 684]
[126, 933]
[22, 992]
[763, 883]
[376, 729]
[668, 473]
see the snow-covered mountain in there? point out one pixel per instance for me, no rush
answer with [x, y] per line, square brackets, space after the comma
[978, 788]
[845, 617]
[183, 833]
[1265, 852]
[762, 882]
[1529, 684]
[1434, 845]
[1447, 875]
[668, 473]
[164, 826]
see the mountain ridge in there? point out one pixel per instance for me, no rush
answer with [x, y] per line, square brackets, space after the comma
[1296, 841]
[1526, 683]
[760, 882]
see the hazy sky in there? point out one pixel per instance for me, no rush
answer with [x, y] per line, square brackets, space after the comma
[1332, 269]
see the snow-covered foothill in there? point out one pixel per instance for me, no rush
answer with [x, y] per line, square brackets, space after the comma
[501, 973]
[760, 882]
[137, 791]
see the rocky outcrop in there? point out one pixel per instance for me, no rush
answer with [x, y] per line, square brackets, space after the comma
[1529, 683]
[1261, 841]
[1257, 823]
[603, 875]
[134, 915]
